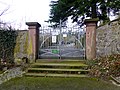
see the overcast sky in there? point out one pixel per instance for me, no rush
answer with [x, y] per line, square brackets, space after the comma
[21, 11]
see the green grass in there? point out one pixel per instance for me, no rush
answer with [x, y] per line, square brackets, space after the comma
[43, 83]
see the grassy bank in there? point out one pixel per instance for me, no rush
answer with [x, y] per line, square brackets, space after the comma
[47, 83]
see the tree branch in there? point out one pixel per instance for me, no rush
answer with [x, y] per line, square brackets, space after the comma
[4, 11]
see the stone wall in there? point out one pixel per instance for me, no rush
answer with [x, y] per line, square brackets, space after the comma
[108, 38]
[21, 46]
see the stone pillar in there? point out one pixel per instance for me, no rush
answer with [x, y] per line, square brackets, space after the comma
[33, 39]
[91, 25]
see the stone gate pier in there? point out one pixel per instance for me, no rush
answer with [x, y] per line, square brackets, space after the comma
[33, 39]
[91, 25]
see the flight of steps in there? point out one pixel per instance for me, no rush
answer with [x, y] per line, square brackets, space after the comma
[58, 68]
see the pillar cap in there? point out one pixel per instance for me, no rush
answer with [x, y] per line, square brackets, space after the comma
[33, 24]
[91, 20]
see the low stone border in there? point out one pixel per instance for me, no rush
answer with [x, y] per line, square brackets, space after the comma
[115, 81]
[11, 73]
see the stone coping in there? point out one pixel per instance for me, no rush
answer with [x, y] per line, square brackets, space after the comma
[33, 24]
[91, 20]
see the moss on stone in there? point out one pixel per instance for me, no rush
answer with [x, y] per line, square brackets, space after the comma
[29, 50]
[21, 46]
[26, 44]
[17, 46]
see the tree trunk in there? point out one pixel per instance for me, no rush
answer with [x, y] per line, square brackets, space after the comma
[104, 12]
[93, 8]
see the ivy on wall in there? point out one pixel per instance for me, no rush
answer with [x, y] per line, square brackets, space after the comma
[14, 45]
[7, 44]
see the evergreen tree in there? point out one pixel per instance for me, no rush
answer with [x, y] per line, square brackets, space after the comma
[80, 9]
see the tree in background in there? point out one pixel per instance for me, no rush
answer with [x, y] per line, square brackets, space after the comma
[80, 9]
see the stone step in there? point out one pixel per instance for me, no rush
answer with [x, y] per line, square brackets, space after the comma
[54, 75]
[66, 68]
[56, 69]
[58, 60]
[59, 64]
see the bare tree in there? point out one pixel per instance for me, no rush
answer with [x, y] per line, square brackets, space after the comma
[4, 11]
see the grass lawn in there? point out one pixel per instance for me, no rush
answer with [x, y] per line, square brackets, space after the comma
[49, 83]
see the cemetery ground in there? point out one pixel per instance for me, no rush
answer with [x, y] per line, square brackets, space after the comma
[51, 83]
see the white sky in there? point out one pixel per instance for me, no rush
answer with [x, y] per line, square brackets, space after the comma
[22, 11]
